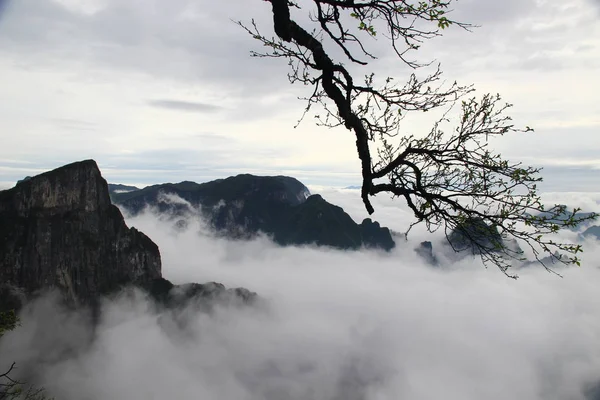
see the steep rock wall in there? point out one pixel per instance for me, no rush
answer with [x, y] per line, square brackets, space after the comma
[60, 230]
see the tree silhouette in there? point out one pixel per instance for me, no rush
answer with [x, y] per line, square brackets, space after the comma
[448, 176]
[10, 388]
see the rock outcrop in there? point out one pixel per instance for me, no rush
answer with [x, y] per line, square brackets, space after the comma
[59, 230]
[475, 235]
[199, 296]
[374, 235]
[318, 222]
[425, 251]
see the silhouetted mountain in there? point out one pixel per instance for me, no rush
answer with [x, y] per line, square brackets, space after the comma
[59, 230]
[201, 296]
[115, 188]
[425, 250]
[319, 222]
[243, 205]
[553, 261]
[474, 234]
[592, 231]
[589, 217]
[373, 235]
[592, 391]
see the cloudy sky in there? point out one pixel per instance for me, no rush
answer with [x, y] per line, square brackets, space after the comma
[159, 91]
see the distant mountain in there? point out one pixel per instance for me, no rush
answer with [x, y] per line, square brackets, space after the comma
[317, 221]
[115, 188]
[475, 237]
[592, 231]
[474, 234]
[259, 193]
[425, 251]
[590, 216]
[552, 261]
[282, 207]
[200, 296]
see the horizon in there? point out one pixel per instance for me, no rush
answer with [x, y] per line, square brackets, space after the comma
[588, 201]
[552, 185]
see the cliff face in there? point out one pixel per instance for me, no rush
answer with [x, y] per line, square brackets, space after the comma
[60, 230]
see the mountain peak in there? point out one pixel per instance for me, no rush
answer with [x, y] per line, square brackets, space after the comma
[60, 230]
[77, 186]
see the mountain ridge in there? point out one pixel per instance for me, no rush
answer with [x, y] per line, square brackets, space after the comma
[282, 207]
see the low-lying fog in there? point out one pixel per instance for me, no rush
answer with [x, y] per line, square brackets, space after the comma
[336, 325]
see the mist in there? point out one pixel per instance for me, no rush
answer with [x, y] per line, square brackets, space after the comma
[330, 325]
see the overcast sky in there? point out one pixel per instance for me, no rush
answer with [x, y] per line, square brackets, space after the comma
[160, 91]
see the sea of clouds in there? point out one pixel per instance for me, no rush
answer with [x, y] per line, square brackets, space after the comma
[333, 325]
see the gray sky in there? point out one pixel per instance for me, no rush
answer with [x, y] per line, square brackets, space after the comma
[160, 91]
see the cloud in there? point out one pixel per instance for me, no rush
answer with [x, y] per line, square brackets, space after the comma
[177, 42]
[517, 36]
[74, 124]
[188, 106]
[100, 61]
[337, 325]
[3, 5]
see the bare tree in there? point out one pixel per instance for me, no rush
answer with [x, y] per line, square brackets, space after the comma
[448, 176]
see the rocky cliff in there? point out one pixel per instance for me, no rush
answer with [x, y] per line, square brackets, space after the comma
[60, 230]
